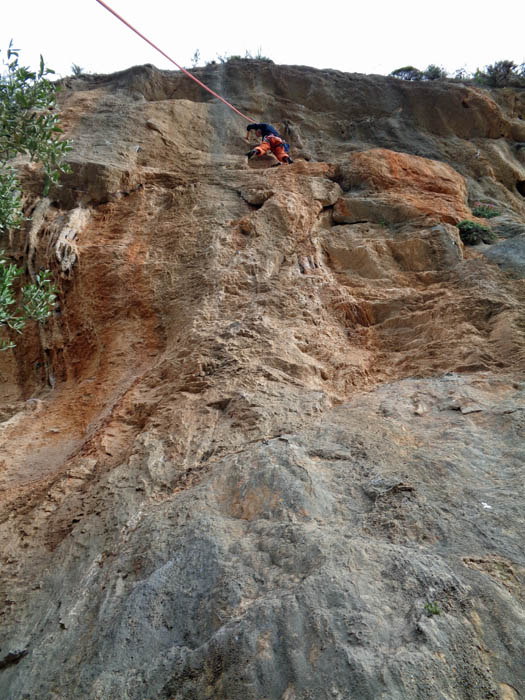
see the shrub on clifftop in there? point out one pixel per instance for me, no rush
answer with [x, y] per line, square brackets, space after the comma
[501, 74]
[431, 72]
[407, 73]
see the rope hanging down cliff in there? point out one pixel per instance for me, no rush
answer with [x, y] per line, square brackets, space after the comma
[174, 62]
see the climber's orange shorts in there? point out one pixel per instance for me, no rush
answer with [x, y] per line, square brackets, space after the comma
[273, 144]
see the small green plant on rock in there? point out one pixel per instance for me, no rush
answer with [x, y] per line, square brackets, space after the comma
[472, 233]
[484, 211]
[432, 609]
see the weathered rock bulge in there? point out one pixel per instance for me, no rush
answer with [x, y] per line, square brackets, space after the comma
[270, 446]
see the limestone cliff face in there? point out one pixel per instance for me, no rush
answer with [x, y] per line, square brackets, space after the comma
[270, 446]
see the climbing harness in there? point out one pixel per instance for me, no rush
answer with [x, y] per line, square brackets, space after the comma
[100, 2]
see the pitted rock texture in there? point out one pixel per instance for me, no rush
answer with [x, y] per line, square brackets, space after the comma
[270, 446]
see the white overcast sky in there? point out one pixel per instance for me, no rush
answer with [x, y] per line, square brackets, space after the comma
[363, 37]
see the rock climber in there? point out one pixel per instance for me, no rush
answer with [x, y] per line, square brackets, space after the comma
[271, 141]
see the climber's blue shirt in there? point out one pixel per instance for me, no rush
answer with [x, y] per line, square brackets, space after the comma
[266, 129]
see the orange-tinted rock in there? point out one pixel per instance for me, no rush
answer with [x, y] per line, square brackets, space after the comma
[394, 187]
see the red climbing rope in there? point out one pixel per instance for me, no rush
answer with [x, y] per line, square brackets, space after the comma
[172, 61]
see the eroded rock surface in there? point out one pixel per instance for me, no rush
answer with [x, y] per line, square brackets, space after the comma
[271, 444]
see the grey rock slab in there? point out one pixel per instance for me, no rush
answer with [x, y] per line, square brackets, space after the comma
[509, 255]
[304, 566]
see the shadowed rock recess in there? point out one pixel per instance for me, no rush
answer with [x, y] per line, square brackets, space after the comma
[270, 445]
